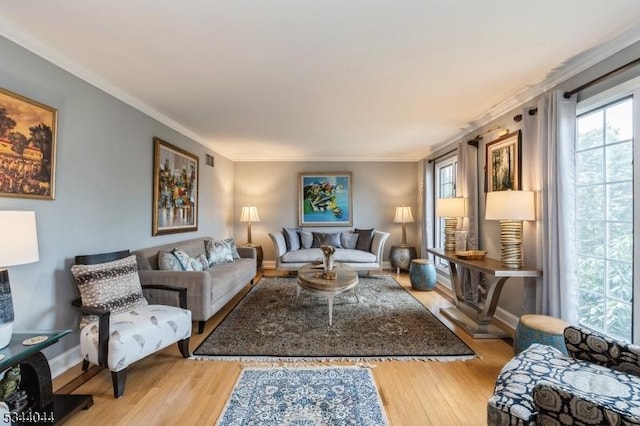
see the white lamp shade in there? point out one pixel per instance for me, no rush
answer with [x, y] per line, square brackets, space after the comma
[450, 207]
[403, 215]
[249, 214]
[19, 238]
[510, 205]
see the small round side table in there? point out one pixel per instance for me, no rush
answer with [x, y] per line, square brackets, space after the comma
[540, 329]
[422, 274]
[401, 256]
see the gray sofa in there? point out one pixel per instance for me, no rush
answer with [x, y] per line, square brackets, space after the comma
[290, 258]
[208, 290]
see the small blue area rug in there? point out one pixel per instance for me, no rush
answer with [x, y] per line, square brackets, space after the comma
[304, 397]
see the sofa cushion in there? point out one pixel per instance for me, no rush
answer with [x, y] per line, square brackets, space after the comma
[349, 240]
[302, 256]
[232, 246]
[114, 286]
[365, 238]
[188, 263]
[167, 261]
[291, 238]
[218, 251]
[326, 238]
[306, 239]
[354, 256]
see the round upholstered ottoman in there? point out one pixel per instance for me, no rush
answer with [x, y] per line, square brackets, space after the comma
[422, 274]
[540, 329]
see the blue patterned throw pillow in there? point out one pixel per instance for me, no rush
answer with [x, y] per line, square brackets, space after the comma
[218, 251]
[168, 262]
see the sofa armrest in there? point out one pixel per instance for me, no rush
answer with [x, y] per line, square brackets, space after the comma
[377, 244]
[278, 243]
[248, 252]
[556, 402]
[589, 345]
[197, 283]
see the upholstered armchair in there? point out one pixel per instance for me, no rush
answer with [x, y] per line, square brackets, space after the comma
[597, 384]
[118, 326]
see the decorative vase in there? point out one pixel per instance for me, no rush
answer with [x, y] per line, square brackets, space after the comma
[327, 258]
[422, 274]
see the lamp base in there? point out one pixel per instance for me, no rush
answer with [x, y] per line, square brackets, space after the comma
[6, 331]
[511, 239]
[450, 224]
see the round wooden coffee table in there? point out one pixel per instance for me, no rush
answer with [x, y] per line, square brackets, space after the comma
[310, 278]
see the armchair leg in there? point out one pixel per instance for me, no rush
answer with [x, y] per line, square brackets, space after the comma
[85, 365]
[201, 325]
[183, 345]
[119, 379]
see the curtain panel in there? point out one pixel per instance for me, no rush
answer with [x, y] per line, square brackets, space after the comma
[556, 152]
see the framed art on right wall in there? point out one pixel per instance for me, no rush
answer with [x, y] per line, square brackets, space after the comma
[502, 163]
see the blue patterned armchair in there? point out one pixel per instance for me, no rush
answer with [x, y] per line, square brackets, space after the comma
[597, 384]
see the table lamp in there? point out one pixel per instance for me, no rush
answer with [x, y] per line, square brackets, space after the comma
[249, 214]
[403, 216]
[510, 208]
[450, 209]
[19, 245]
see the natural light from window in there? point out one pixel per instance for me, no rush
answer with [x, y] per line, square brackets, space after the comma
[604, 218]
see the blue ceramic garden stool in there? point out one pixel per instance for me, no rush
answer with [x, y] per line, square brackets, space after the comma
[540, 329]
[422, 274]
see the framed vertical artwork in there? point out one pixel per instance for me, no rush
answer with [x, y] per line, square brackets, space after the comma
[502, 163]
[27, 147]
[325, 199]
[175, 189]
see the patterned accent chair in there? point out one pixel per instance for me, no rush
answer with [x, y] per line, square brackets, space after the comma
[119, 327]
[597, 384]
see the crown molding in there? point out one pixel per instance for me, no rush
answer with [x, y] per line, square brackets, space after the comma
[570, 68]
[28, 42]
[560, 74]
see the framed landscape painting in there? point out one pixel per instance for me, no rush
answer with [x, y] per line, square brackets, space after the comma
[175, 189]
[27, 147]
[325, 199]
[503, 163]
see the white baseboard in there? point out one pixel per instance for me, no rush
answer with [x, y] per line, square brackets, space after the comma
[65, 361]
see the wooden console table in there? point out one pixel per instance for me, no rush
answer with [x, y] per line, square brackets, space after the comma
[474, 318]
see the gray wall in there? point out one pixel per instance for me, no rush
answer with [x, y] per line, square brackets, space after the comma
[103, 186]
[378, 188]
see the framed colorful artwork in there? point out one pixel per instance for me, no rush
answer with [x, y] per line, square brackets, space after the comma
[27, 147]
[325, 199]
[502, 163]
[175, 189]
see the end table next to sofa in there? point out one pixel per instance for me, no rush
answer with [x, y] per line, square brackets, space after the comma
[400, 257]
[44, 406]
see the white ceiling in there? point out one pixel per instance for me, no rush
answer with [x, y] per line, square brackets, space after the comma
[349, 80]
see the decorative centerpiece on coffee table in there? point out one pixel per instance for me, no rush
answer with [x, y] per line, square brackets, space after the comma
[327, 261]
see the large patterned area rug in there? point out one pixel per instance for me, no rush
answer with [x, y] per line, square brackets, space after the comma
[304, 396]
[379, 321]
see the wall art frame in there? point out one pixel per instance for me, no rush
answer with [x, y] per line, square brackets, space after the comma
[325, 199]
[175, 189]
[502, 163]
[28, 133]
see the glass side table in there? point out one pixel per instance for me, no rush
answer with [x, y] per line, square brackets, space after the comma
[43, 407]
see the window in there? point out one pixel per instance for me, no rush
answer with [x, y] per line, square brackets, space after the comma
[604, 217]
[445, 180]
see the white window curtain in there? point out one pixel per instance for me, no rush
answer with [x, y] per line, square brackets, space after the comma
[467, 187]
[556, 205]
[428, 207]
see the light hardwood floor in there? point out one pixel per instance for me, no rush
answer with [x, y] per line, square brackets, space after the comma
[165, 389]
